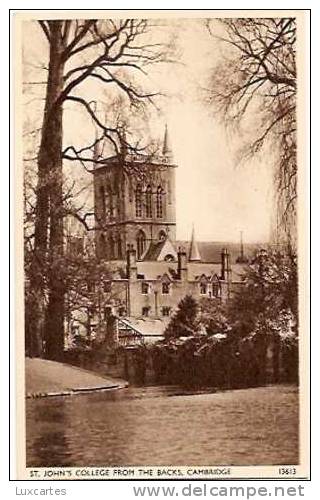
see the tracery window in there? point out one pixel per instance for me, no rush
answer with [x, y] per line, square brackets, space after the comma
[149, 202]
[159, 202]
[119, 247]
[111, 207]
[111, 248]
[103, 200]
[138, 201]
[141, 244]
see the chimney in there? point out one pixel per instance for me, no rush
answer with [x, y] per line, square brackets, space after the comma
[225, 265]
[182, 264]
[132, 271]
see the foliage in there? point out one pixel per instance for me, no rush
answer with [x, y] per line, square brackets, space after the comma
[213, 315]
[262, 315]
[184, 323]
[269, 295]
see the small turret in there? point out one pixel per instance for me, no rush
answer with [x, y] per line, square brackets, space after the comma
[194, 254]
[166, 149]
[242, 259]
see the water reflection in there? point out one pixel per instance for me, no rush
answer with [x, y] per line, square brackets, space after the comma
[51, 445]
[143, 426]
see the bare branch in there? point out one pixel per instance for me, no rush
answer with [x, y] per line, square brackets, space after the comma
[78, 37]
[257, 77]
[45, 29]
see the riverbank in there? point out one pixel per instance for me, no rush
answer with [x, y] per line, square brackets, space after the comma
[46, 378]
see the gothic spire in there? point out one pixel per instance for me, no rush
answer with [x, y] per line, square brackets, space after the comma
[194, 254]
[166, 149]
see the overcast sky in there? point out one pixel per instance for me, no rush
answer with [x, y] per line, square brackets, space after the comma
[220, 198]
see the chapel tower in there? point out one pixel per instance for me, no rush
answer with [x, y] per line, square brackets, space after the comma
[133, 209]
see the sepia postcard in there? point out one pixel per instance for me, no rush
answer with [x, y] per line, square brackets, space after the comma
[161, 244]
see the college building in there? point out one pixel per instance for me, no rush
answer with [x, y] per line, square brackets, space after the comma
[149, 270]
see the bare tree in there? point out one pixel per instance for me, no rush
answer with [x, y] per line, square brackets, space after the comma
[107, 51]
[255, 83]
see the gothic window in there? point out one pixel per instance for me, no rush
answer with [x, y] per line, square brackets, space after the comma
[111, 248]
[138, 201]
[102, 246]
[119, 247]
[203, 288]
[141, 244]
[166, 311]
[149, 201]
[165, 288]
[111, 207]
[130, 189]
[144, 288]
[103, 200]
[159, 202]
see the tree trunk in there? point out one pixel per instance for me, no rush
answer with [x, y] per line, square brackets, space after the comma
[48, 257]
[54, 334]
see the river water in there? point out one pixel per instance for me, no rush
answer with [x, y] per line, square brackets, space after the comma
[165, 426]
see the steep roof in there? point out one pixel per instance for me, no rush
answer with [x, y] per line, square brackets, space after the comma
[194, 254]
[147, 327]
[210, 251]
[159, 250]
[153, 250]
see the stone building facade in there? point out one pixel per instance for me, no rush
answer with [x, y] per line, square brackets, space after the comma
[135, 235]
[131, 210]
